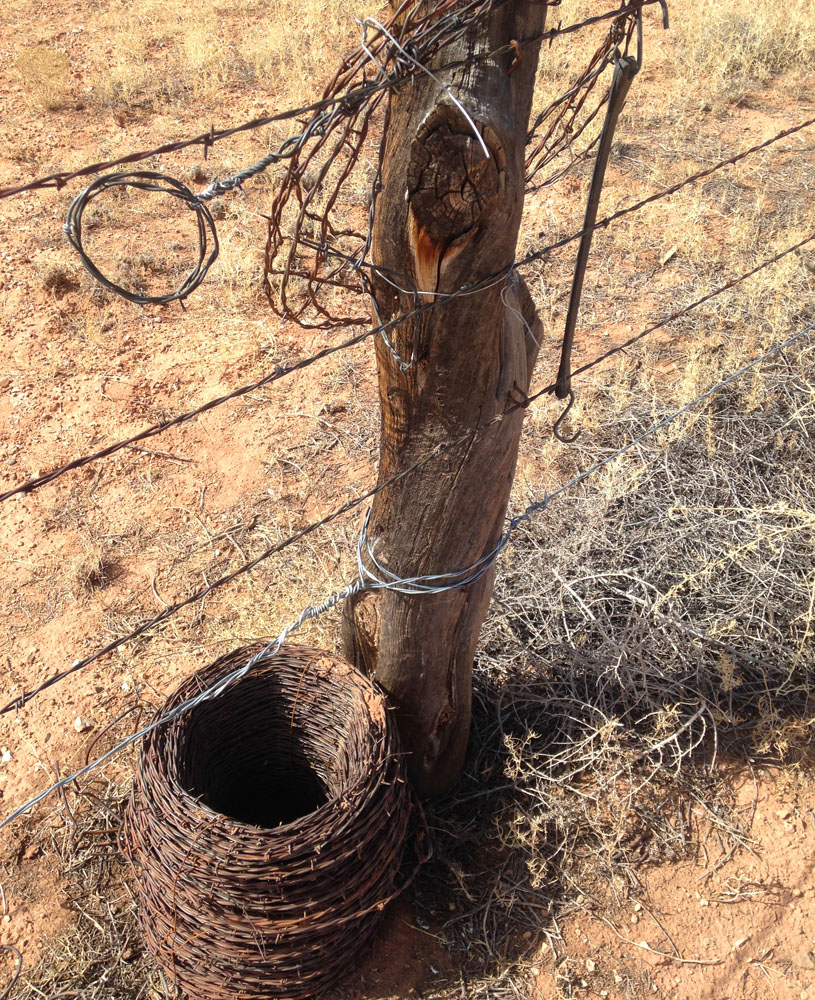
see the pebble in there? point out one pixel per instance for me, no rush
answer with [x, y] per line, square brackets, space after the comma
[82, 725]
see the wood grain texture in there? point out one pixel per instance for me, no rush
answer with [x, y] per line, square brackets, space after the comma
[447, 217]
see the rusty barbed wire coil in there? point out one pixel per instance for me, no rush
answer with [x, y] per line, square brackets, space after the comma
[267, 827]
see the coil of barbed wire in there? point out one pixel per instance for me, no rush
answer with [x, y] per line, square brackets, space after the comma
[147, 180]
[267, 827]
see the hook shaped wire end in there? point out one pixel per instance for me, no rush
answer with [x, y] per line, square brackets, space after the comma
[556, 426]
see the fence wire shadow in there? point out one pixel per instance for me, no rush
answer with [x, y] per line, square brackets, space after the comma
[612, 707]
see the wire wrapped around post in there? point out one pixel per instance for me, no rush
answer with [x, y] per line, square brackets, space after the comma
[267, 827]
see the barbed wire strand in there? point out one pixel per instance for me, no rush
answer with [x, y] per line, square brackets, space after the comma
[358, 263]
[394, 582]
[382, 328]
[666, 192]
[210, 138]
[614, 216]
[465, 439]
[164, 425]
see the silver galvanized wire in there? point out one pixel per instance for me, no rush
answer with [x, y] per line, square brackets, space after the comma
[514, 523]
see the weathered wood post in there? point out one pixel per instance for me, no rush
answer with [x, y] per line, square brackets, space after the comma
[448, 216]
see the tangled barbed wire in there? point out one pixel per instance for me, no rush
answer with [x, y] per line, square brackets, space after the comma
[321, 157]
[310, 208]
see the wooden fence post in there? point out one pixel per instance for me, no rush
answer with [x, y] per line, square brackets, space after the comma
[447, 216]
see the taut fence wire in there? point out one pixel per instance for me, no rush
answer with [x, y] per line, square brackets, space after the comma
[209, 138]
[441, 449]
[338, 597]
[382, 329]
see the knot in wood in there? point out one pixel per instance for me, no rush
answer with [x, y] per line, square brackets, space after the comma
[451, 183]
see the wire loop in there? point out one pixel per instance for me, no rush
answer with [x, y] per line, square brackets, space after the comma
[556, 426]
[146, 180]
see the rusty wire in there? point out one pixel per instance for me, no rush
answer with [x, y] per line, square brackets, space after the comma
[555, 129]
[281, 371]
[465, 440]
[267, 828]
[309, 208]
[323, 156]
[231, 679]
[309, 197]
[208, 139]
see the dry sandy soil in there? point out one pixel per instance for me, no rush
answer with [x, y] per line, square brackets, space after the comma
[91, 555]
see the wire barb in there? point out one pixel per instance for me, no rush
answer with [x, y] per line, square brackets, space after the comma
[313, 611]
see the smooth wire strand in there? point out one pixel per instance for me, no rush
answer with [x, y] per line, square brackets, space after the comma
[350, 505]
[393, 583]
[374, 576]
[280, 372]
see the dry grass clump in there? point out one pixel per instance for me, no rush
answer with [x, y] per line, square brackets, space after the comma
[645, 634]
[46, 75]
[58, 278]
[93, 567]
[725, 50]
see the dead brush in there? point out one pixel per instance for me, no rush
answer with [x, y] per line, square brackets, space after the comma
[635, 655]
[46, 74]
[100, 955]
[135, 271]
[92, 568]
[731, 49]
[59, 279]
[666, 643]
